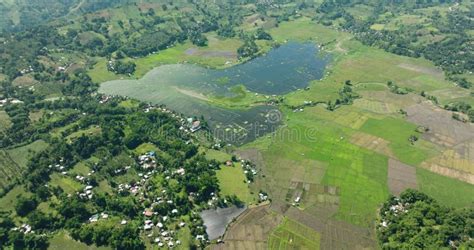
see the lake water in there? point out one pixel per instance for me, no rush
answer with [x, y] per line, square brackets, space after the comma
[216, 220]
[185, 88]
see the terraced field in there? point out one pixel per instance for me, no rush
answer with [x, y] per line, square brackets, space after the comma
[14, 161]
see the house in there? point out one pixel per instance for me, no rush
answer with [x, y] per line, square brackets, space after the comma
[228, 163]
[148, 213]
[196, 125]
[200, 237]
[94, 218]
[181, 171]
[297, 200]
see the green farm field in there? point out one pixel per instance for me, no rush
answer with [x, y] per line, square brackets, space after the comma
[291, 234]
[232, 181]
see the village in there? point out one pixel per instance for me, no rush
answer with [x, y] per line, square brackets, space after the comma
[163, 215]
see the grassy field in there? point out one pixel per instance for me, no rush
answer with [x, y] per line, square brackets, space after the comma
[14, 161]
[232, 181]
[303, 29]
[69, 185]
[63, 241]
[215, 55]
[448, 191]
[5, 122]
[363, 64]
[398, 131]
[93, 130]
[293, 235]
[8, 201]
[217, 155]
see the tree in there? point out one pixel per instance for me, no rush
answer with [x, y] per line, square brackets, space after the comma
[248, 49]
[39, 220]
[25, 205]
[260, 34]
[198, 39]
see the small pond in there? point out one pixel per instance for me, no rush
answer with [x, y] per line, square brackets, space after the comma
[216, 220]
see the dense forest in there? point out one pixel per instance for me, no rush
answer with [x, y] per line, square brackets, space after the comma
[415, 220]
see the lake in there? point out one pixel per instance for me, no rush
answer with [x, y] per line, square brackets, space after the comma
[186, 88]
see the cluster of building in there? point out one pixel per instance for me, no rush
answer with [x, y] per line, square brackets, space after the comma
[249, 170]
[396, 209]
[162, 237]
[96, 217]
[24, 228]
[26, 70]
[189, 125]
[9, 100]
[86, 192]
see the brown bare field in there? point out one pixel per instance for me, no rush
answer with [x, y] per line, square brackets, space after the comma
[375, 106]
[251, 230]
[283, 187]
[372, 142]
[400, 177]
[455, 138]
[334, 234]
[396, 101]
[251, 19]
[452, 159]
[444, 130]
[211, 53]
[420, 69]
[191, 93]
[466, 150]
[24, 81]
[453, 173]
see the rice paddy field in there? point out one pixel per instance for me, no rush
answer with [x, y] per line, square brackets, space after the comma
[291, 234]
[344, 163]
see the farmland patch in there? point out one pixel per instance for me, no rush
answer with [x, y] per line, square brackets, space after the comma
[400, 177]
[290, 234]
[372, 142]
[443, 129]
[251, 230]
